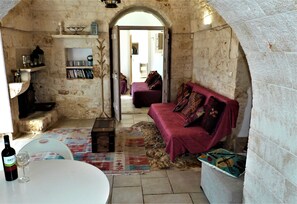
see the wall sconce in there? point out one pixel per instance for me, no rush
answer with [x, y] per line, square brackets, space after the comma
[111, 3]
[207, 18]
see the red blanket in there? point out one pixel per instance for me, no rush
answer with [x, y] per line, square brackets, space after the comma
[142, 96]
[195, 139]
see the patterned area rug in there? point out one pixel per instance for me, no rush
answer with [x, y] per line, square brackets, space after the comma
[129, 156]
[155, 150]
[138, 149]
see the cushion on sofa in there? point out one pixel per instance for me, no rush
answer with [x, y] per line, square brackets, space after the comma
[194, 117]
[181, 104]
[195, 101]
[213, 110]
[152, 76]
[183, 90]
[225, 161]
[157, 84]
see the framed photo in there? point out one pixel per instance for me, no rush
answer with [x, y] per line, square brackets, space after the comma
[159, 42]
[134, 48]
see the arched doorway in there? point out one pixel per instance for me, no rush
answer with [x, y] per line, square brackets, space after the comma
[125, 29]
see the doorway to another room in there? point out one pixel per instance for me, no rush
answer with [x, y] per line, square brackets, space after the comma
[141, 49]
[139, 55]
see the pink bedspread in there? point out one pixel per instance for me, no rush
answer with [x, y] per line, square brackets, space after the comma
[142, 96]
[179, 139]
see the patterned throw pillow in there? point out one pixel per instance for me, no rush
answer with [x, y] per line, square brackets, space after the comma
[183, 91]
[194, 117]
[181, 104]
[157, 84]
[195, 101]
[153, 75]
[123, 77]
[213, 110]
[225, 161]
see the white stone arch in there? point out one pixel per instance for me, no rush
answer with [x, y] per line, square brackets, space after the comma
[160, 16]
[267, 33]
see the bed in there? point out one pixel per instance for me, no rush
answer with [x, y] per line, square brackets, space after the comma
[143, 96]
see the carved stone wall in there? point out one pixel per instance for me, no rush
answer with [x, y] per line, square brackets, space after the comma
[219, 63]
[81, 98]
[17, 41]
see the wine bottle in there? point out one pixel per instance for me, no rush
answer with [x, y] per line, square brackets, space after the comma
[9, 161]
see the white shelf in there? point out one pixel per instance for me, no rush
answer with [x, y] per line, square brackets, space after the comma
[32, 69]
[74, 36]
[79, 67]
[26, 72]
[16, 89]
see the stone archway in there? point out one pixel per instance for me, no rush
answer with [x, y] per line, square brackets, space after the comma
[130, 9]
[266, 32]
[159, 25]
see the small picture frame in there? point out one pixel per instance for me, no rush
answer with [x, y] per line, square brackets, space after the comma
[94, 28]
[159, 42]
[134, 48]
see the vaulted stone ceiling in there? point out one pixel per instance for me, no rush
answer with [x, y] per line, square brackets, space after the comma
[6, 5]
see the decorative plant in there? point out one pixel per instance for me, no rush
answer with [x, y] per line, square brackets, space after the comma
[101, 71]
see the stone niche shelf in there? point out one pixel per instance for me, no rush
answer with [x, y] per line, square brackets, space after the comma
[17, 88]
[26, 72]
[74, 36]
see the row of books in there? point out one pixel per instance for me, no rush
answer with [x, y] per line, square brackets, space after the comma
[80, 74]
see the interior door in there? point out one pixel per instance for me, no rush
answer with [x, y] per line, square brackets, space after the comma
[116, 72]
[166, 68]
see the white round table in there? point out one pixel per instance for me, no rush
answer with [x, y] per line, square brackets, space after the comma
[57, 181]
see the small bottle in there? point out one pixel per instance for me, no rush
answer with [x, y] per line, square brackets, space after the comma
[9, 161]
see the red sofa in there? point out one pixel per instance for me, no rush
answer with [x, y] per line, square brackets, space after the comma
[194, 139]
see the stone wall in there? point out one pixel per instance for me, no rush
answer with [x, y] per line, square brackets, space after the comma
[82, 98]
[17, 41]
[267, 33]
[219, 62]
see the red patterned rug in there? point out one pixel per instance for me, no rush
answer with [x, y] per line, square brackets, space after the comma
[129, 156]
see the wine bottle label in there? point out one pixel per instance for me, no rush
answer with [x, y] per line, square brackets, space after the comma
[9, 161]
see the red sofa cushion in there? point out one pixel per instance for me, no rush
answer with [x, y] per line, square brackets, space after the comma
[183, 91]
[195, 101]
[213, 110]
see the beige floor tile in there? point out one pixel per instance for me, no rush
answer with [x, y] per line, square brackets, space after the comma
[126, 180]
[138, 121]
[199, 198]
[168, 198]
[126, 125]
[110, 179]
[150, 119]
[142, 117]
[65, 123]
[127, 195]
[127, 116]
[127, 121]
[155, 174]
[155, 186]
[86, 123]
[184, 181]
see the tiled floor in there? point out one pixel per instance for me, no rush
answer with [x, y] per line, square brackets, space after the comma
[163, 186]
